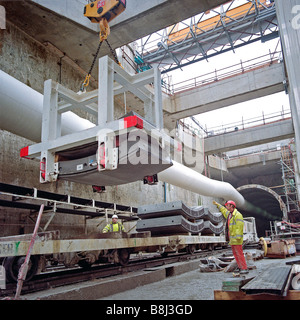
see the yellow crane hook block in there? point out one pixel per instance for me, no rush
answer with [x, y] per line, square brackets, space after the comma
[108, 9]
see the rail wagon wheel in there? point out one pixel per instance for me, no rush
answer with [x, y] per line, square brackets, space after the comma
[12, 266]
[203, 246]
[84, 264]
[191, 249]
[123, 255]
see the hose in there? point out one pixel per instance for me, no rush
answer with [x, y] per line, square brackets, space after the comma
[265, 247]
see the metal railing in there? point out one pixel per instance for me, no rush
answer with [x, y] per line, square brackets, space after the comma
[224, 73]
[256, 16]
[248, 123]
[262, 152]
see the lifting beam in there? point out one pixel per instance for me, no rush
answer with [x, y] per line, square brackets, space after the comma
[113, 80]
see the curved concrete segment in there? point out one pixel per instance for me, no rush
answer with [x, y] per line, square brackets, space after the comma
[136, 161]
[175, 217]
[178, 208]
[177, 225]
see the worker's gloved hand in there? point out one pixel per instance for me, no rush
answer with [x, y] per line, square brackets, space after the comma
[216, 204]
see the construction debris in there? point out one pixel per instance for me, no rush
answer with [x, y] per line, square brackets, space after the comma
[212, 264]
[279, 282]
[228, 263]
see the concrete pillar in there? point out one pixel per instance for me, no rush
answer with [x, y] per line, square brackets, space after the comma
[288, 15]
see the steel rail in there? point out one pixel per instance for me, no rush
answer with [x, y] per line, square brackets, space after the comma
[47, 280]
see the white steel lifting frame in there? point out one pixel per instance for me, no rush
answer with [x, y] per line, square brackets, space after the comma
[113, 80]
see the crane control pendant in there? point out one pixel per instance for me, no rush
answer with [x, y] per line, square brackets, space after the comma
[108, 9]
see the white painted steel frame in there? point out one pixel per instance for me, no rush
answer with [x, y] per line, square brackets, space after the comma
[58, 100]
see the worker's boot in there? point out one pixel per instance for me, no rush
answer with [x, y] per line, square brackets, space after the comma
[244, 271]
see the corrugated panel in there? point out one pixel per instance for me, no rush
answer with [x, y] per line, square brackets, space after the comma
[272, 280]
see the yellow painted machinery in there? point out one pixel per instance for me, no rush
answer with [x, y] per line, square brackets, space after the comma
[102, 12]
[107, 9]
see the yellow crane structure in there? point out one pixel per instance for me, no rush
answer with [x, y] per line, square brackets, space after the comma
[102, 12]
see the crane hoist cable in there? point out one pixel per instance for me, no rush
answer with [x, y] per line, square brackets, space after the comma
[102, 12]
[103, 38]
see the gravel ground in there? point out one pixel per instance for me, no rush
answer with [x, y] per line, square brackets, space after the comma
[194, 285]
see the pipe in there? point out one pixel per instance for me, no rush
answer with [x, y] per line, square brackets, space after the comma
[21, 110]
[186, 178]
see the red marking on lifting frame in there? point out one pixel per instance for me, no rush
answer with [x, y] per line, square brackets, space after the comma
[43, 168]
[102, 154]
[179, 146]
[133, 121]
[24, 152]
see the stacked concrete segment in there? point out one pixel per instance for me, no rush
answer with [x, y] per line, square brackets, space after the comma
[178, 208]
[178, 225]
[177, 218]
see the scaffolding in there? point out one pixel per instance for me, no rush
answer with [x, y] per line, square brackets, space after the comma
[289, 182]
[227, 27]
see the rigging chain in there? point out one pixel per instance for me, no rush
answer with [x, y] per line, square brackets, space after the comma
[88, 76]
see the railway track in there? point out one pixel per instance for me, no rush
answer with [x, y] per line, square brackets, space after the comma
[47, 280]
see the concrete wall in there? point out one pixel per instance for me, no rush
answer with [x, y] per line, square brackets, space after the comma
[71, 32]
[274, 131]
[249, 85]
[137, 20]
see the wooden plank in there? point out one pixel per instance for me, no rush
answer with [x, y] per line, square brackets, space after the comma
[235, 284]
[231, 295]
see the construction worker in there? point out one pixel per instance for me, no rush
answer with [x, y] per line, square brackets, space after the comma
[114, 226]
[234, 230]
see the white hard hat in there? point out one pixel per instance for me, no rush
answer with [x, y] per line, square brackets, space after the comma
[114, 216]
